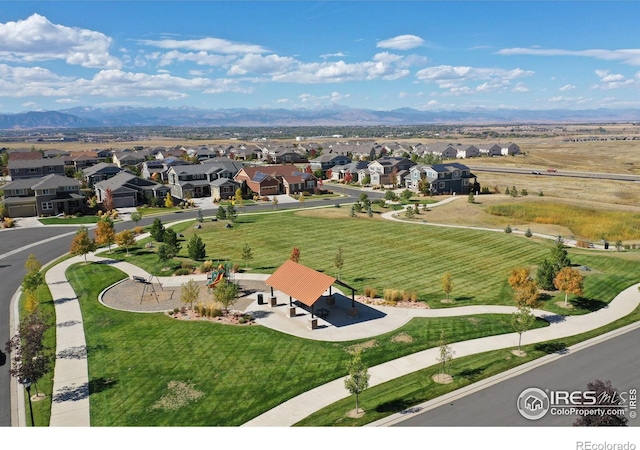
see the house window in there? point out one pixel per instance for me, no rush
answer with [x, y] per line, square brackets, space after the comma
[47, 206]
[465, 182]
[52, 169]
[47, 191]
[441, 185]
[32, 170]
[456, 174]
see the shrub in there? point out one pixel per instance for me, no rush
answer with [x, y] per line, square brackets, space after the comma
[176, 310]
[207, 265]
[216, 312]
[507, 229]
[182, 272]
[138, 230]
[406, 296]
[414, 296]
[582, 243]
[186, 265]
[8, 223]
[528, 233]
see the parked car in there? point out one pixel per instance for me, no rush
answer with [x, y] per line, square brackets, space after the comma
[552, 170]
[535, 172]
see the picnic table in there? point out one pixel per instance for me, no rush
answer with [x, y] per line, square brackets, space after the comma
[322, 312]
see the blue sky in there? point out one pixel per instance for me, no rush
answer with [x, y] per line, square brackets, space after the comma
[427, 55]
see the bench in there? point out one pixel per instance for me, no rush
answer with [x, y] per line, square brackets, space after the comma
[138, 279]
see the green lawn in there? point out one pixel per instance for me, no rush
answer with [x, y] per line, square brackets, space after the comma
[418, 387]
[383, 254]
[69, 220]
[241, 371]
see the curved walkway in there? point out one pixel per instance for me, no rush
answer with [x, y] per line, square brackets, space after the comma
[70, 402]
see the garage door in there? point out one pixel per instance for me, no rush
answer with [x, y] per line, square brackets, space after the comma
[22, 210]
[124, 202]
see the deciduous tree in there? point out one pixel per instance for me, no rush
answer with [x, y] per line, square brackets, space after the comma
[447, 284]
[525, 289]
[445, 353]
[522, 321]
[189, 292]
[82, 243]
[105, 233]
[247, 254]
[107, 201]
[168, 201]
[295, 255]
[358, 380]
[338, 261]
[569, 281]
[136, 217]
[226, 294]
[603, 390]
[126, 239]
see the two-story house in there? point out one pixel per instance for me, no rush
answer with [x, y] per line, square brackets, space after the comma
[100, 172]
[50, 195]
[327, 161]
[194, 180]
[275, 180]
[35, 168]
[389, 170]
[442, 178]
[129, 190]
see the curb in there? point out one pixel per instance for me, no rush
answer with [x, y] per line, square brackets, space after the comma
[483, 384]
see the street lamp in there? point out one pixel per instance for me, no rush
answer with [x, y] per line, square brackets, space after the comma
[27, 384]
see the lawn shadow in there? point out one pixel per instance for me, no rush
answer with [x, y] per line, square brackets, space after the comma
[553, 347]
[261, 314]
[553, 318]
[61, 301]
[589, 304]
[71, 393]
[101, 384]
[393, 406]
[472, 374]
[359, 279]
[464, 298]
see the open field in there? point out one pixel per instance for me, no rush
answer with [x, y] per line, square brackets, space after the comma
[225, 374]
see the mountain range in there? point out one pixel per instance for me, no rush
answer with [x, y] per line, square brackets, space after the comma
[126, 116]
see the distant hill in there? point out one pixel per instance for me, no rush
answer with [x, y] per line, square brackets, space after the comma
[87, 117]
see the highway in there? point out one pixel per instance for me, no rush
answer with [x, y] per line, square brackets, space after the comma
[537, 172]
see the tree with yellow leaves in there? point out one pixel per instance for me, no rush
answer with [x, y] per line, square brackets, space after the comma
[569, 281]
[525, 289]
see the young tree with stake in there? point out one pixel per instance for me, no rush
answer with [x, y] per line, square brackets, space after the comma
[358, 380]
[522, 321]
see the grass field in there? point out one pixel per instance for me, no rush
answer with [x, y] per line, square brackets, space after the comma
[585, 223]
[226, 375]
[69, 220]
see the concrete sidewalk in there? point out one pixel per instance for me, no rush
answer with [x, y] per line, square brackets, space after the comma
[296, 409]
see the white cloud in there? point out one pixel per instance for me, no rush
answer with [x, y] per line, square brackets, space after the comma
[520, 87]
[258, 64]
[37, 39]
[456, 79]
[201, 58]
[403, 42]
[333, 55]
[628, 56]
[567, 87]
[612, 81]
[208, 45]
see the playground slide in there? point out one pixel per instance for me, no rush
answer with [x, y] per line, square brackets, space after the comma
[217, 280]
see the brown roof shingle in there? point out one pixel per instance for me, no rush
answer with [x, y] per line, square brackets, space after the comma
[300, 282]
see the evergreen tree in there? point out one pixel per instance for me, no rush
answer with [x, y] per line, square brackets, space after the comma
[231, 213]
[157, 230]
[545, 275]
[171, 239]
[221, 214]
[196, 248]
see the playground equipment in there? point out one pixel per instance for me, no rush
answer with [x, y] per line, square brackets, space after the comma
[216, 276]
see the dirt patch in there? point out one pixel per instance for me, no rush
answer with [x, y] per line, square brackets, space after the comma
[442, 378]
[353, 414]
[519, 353]
[561, 304]
[402, 338]
[362, 346]
[178, 394]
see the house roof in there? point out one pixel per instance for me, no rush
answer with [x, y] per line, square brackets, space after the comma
[101, 168]
[34, 163]
[300, 282]
[54, 181]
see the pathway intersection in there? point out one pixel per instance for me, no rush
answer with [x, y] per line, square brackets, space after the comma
[70, 402]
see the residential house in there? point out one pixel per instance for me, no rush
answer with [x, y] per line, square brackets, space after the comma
[442, 150]
[50, 195]
[82, 160]
[35, 168]
[16, 154]
[327, 161]
[99, 172]
[55, 153]
[277, 179]
[283, 155]
[389, 170]
[467, 151]
[223, 188]
[357, 169]
[129, 190]
[449, 178]
[489, 149]
[158, 170]
[510, 149]
[194, 180]
[124, 159]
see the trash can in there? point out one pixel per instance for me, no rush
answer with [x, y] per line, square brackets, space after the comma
[606, 246]
[260, 299]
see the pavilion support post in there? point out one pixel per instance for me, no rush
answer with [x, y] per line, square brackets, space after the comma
[290, 301]
[353, 299]
[272, 291]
